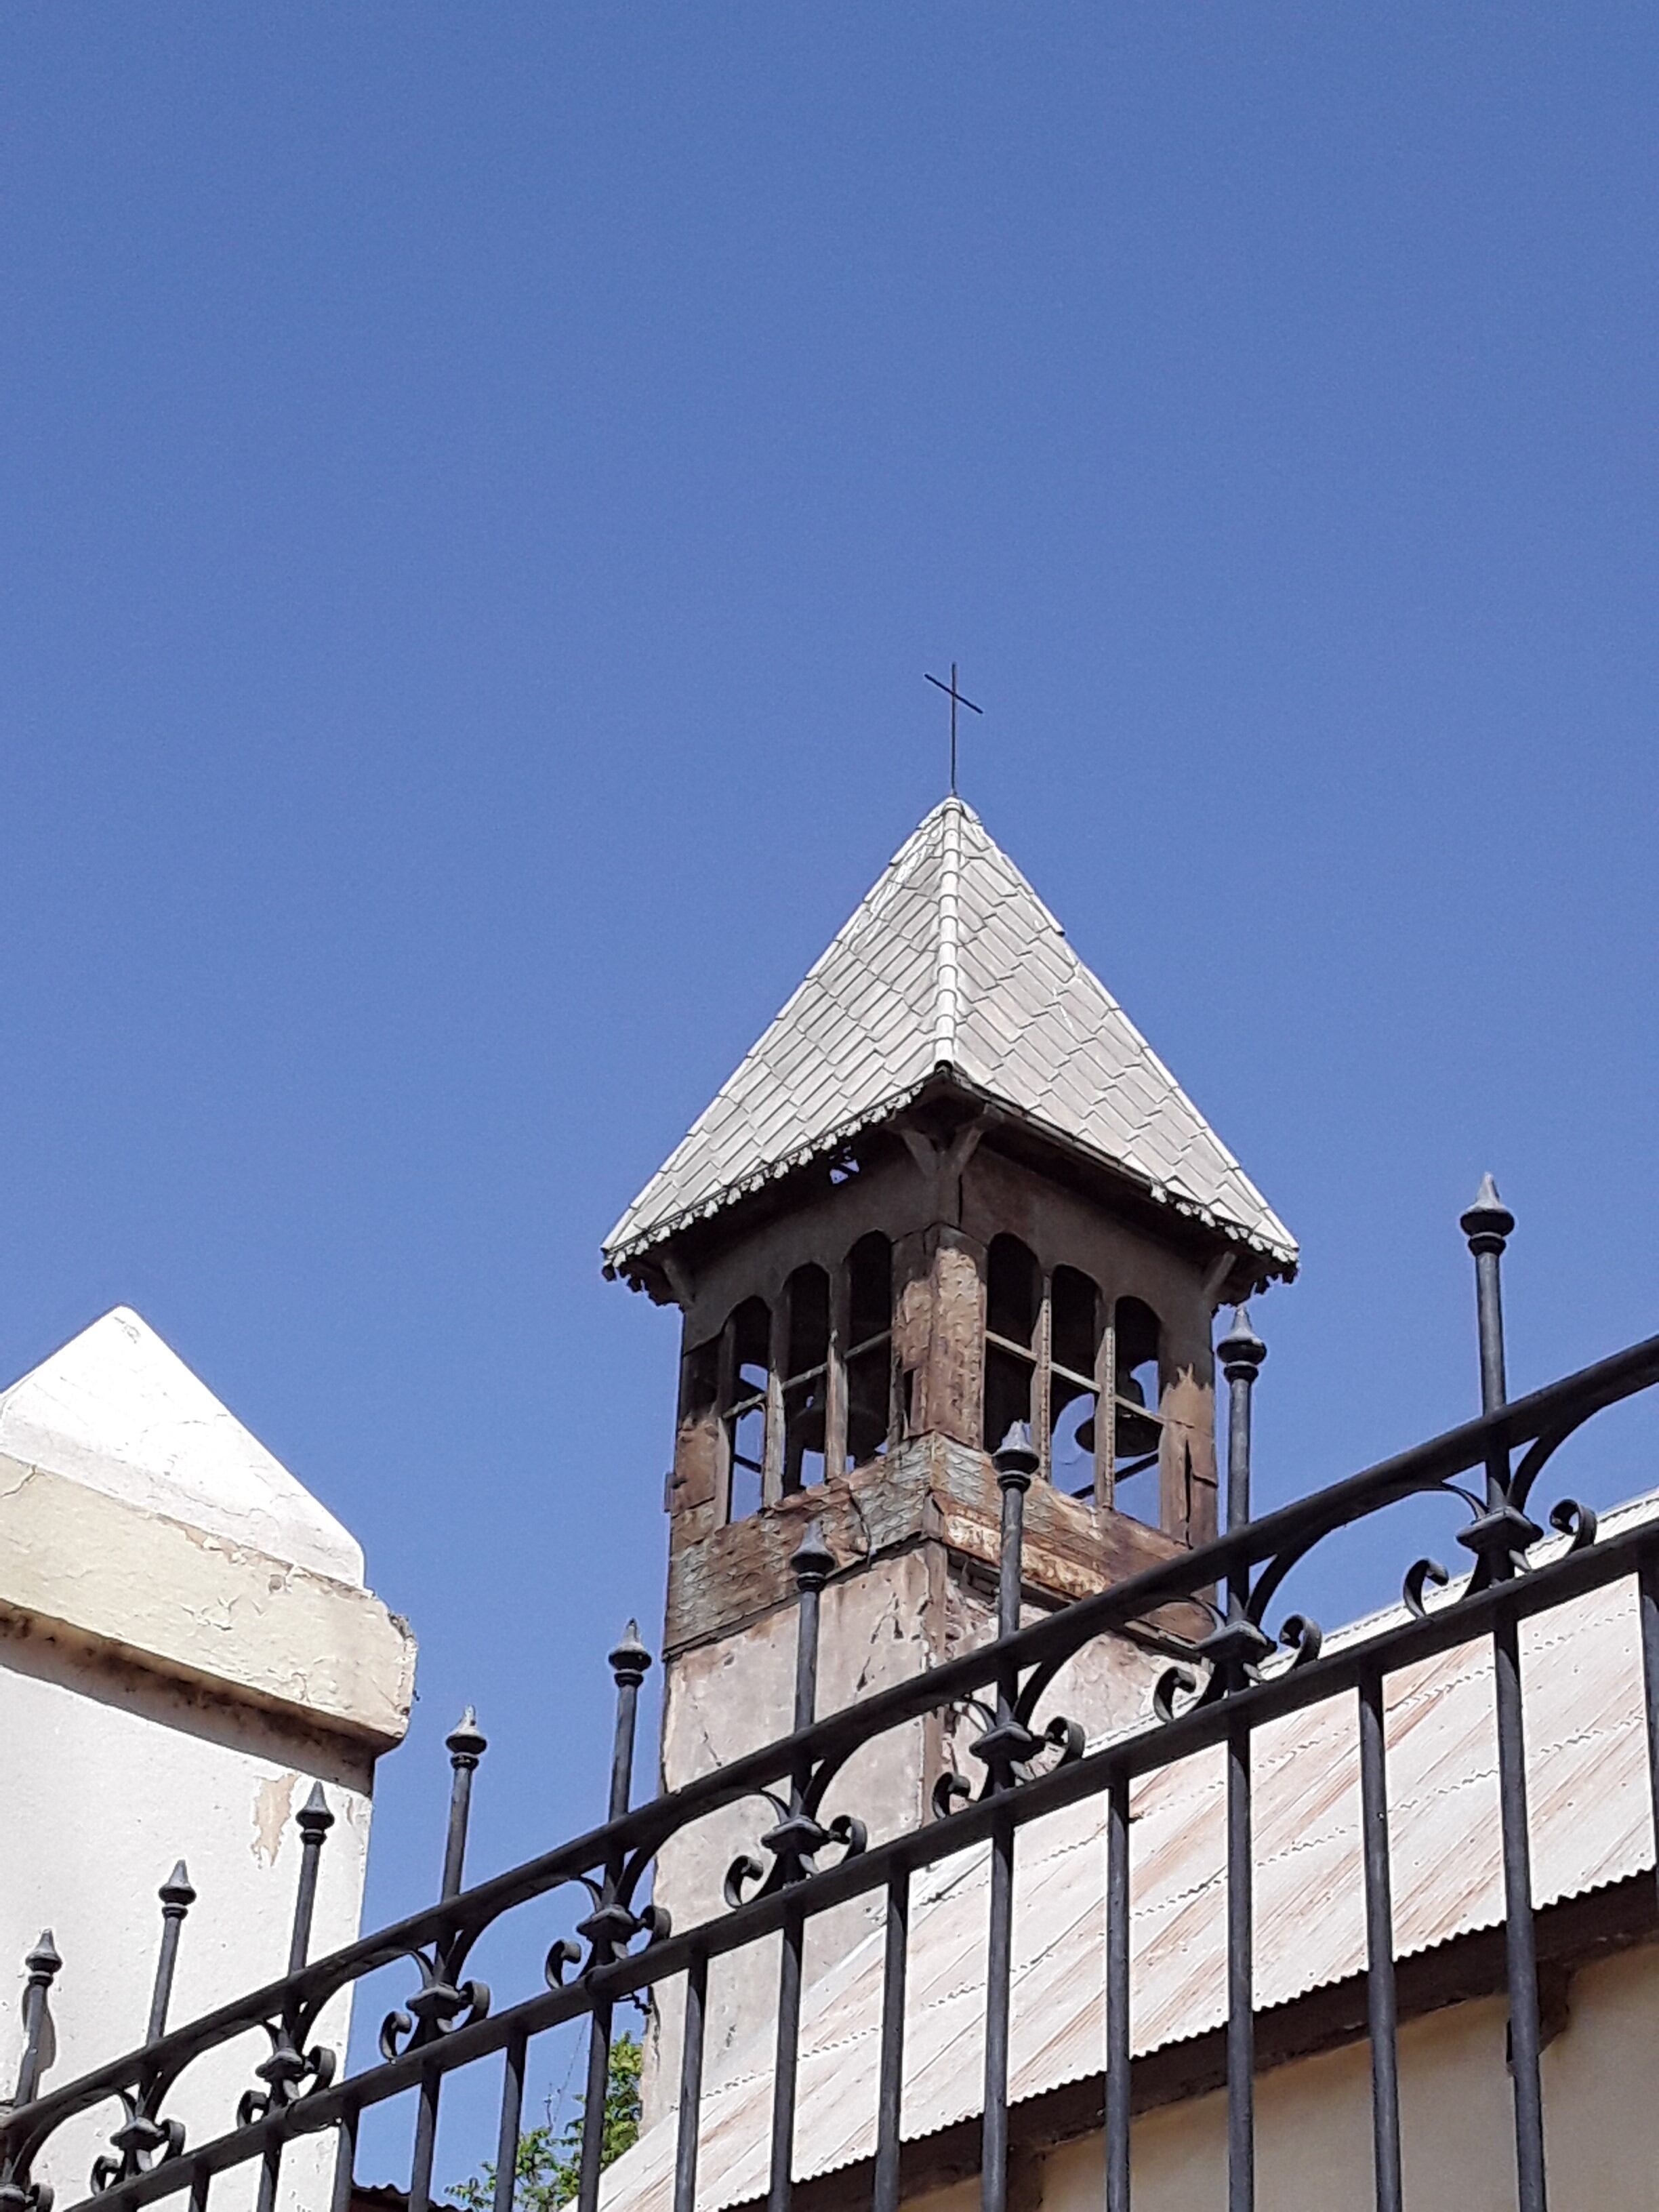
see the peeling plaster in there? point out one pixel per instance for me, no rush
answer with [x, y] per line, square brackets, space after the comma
[273, 1800]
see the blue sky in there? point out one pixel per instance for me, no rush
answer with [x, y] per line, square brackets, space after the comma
[482, 486]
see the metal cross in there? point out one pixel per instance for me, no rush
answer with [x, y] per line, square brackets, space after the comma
[957, 699]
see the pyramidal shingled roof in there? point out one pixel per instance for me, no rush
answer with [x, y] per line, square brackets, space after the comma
[950, 963]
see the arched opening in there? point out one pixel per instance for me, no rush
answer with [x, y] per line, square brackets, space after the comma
[748, 1350]
[1074, 1331]
[806, 1378]
[1137, 1422]
[870, 1348]
[1013, 1295]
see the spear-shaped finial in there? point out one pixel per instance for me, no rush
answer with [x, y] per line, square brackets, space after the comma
[1488, 1224]
[466, 1742]
[467, 1745]
[313, 1817]
[812, 1562]
[42, 1965]
[1241, 1352]
[1240, 1346]
[1488, 1218]
[1014, 1458]
[43, 1962]
[177, 1897]
[631, 1661]
[176, 1893]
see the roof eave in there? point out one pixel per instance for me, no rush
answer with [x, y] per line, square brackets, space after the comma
[630, 1256]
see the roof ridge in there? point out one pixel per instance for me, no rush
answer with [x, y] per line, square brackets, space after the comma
[947, 950]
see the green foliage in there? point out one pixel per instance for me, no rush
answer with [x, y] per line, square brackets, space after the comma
[549, 2156]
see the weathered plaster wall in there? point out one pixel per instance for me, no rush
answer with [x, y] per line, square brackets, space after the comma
[1313, 2120]
[928, 1489]
[728, 1697]
[186, 1646]
[112, 1774]
[903, 1612]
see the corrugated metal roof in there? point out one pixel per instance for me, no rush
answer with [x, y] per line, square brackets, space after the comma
[951, 962]
[1591, 1825]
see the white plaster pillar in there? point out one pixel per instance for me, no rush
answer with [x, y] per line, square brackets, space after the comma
[187, 1646]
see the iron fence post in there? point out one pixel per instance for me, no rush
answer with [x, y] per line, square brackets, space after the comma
[467, 1745]
[811, 1564]
[42, 1966]
[177, 1897]
[1241, 1352]
[1016, 1463]
[1488, 1224]
[629, 1662]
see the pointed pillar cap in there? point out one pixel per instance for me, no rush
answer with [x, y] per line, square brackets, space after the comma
[176, 1893]
[43, 1961]
[314, 1817]
[1241, 1349]
[630, 1659]
[1014, 1460]
[812, 1562]
[466, 1742]
[1487, 1220]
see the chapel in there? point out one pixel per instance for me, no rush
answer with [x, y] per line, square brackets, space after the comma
[952, 1192]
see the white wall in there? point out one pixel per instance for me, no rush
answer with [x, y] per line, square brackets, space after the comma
[116, 1780]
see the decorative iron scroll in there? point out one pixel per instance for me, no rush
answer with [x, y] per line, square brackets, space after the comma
[796, 1835]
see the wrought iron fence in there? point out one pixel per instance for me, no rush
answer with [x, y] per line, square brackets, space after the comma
[1247, 1667]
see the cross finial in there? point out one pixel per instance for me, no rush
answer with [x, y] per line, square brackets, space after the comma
[957, 699]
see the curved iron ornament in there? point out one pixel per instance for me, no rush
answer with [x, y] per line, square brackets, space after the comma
[797, 1833]
[794, 1842]
[796, 1836]
[442, 2003]
[1009, 1747]
[611, 1930]
[1012, 1750]
[142, 2139]
[1236, 1654]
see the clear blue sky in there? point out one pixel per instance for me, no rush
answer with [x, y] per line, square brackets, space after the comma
[482, 487]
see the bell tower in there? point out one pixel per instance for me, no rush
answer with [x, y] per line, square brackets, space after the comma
[950, 1190]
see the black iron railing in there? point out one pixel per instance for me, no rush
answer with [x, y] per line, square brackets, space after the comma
[1245, 1667]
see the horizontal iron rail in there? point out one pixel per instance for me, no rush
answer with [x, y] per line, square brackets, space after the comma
[1045, 1643]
